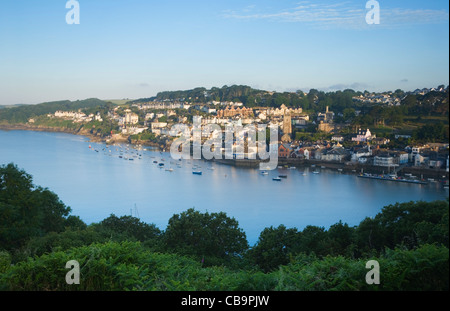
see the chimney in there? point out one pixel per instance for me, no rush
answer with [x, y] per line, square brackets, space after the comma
[327, 110]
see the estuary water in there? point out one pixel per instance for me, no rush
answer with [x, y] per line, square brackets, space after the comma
[97, 180]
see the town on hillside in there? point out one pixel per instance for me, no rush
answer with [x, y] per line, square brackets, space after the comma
[390, 132]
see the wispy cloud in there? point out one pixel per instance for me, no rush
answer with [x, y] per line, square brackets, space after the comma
[347, 14]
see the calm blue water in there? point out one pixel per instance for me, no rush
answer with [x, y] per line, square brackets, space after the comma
[97, 184]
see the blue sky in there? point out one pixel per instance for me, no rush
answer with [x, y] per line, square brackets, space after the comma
[136, 48]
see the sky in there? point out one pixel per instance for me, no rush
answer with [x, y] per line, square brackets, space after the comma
[137, 48]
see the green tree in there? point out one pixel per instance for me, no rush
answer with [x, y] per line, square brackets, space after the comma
[212, 237]
[131, 227]
[26, 210]
[341, 239]
[313, 239]
[349, 114]
[414, 223]
[274, 247]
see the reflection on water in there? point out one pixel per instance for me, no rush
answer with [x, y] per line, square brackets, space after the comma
[102, 180]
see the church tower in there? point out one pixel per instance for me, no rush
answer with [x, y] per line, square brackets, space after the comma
[287, 126]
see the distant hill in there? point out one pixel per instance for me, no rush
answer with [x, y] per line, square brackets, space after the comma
[11, 106]
[21, 114]
[235, 93]
[118, 101]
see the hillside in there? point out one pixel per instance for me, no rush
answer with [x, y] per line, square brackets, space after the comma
[22, 114]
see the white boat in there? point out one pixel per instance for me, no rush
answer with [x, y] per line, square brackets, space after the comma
[265, 173]
[315, 172]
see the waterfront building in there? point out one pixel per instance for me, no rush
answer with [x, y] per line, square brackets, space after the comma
[284, 150]
[386, 160]
[334, 154]
[361, 152]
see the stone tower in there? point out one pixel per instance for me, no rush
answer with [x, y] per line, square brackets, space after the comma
[287, 125]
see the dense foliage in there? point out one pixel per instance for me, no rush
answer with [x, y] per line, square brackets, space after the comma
[213, 237]
[208, 251]
[26, 210]
[130, 266]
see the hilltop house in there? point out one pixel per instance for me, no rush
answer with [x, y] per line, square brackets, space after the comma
[338, 138]
[232, 112]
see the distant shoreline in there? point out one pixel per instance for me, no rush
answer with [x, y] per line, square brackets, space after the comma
[354, 169]
[25, 127]
[92, 138]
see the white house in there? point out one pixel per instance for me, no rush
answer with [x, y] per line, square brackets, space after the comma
[363, 152]
[158, 125]
[363, 136]
[335, 154]
[384, 160]
[131, 118]
[337, 138]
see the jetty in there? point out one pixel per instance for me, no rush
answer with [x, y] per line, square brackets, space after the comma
[393, 178]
